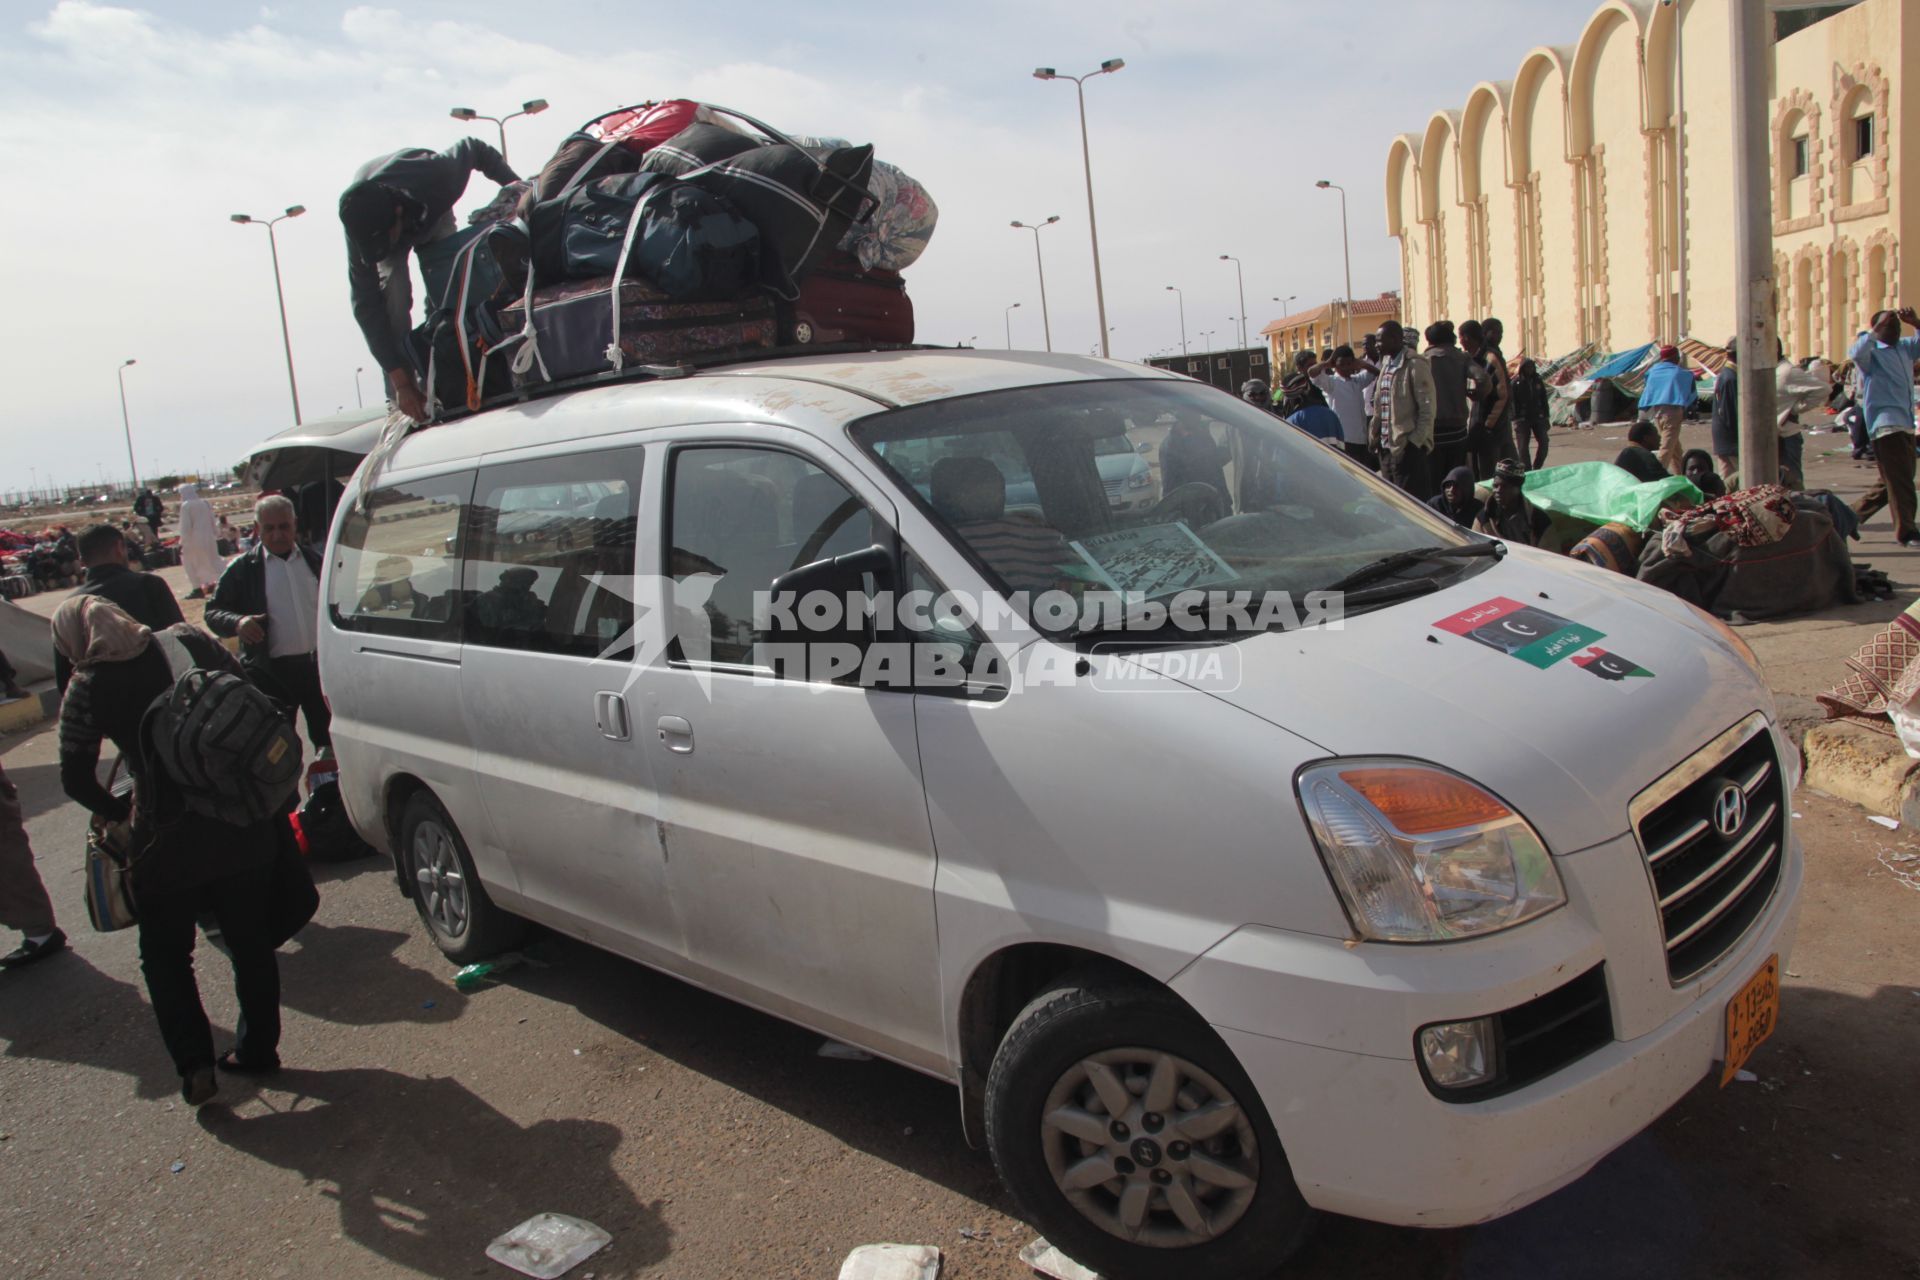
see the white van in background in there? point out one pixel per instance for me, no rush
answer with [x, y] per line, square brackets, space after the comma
[1413, 914]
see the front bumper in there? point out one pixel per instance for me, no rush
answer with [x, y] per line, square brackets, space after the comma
[1325, 1032]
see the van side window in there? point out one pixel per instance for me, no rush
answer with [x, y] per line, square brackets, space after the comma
[743, 517]
[550, 559]
[396, 565]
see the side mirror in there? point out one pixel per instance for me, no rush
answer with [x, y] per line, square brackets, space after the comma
[826, 640]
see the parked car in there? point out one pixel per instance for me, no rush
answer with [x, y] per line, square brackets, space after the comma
[1411, 911]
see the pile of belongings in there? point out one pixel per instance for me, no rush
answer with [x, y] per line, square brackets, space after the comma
[664, 232]
[1752, 554]
[1881, 687]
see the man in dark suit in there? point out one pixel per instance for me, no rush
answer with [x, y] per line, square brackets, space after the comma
[270, 599]
[145, 597]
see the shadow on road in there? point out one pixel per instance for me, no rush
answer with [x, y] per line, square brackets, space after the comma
[426, 1173]
[351, 974]
[65, 1010]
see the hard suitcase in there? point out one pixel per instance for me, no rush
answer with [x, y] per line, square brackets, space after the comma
[842, 302]
[573, 329]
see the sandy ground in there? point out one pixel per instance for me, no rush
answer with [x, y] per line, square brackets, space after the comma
[415, 1123]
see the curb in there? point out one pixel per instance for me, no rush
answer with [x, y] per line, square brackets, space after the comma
[23, 713]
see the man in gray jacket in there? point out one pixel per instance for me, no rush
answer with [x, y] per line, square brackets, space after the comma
[1403, 413]
[395, 204]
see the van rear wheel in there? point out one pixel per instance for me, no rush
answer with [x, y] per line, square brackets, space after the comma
[1135, 1142]
[463, 921]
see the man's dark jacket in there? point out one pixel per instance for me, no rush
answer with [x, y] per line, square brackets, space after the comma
[144, 597]
[428, 184]
[242, 593]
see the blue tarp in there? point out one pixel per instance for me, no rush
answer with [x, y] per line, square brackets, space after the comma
[1619, 363]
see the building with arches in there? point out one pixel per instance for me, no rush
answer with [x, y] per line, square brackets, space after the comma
[1589, 198]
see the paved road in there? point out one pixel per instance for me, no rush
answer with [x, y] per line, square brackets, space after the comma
[415, 1123]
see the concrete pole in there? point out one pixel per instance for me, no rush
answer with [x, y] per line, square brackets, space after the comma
[1753, 244]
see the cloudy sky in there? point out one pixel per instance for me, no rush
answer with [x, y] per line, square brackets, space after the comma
[131, 133]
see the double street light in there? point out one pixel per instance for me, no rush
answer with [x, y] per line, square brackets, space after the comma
[530, 108]
[1086, 161]
[293, 211]
[1046, 323]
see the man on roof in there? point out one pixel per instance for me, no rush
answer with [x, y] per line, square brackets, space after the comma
[395, 204]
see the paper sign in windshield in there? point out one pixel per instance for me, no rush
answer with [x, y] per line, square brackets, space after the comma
[1533, 635]
[1154, 560]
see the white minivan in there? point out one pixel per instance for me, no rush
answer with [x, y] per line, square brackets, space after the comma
[1405, 876]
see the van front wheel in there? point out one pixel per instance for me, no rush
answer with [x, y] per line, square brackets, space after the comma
[465, 924]
[1134, 1141]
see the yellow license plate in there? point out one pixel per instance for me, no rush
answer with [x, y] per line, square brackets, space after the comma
[1752, 1015]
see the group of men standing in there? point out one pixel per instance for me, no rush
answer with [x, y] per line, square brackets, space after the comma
[1416, 416]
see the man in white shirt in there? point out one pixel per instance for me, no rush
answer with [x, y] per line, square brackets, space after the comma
[270, 599]
[1347, 383]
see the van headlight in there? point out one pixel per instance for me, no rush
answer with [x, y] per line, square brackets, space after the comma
[1419, 854]
[1139, 479]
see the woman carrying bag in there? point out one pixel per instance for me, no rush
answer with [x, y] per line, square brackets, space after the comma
[181, 861]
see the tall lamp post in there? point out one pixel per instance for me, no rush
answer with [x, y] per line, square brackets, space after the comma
[1007, 315]
[1086, 161]
[1241, 277]
[358, 398]
[293, 211]
[126, 424]
[1046, 322]
[1346, 252]
[532, 108]
[1183, 317]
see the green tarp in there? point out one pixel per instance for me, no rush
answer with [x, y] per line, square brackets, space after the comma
[1600, 492]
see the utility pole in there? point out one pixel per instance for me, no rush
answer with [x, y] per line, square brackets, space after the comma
[1750, 26]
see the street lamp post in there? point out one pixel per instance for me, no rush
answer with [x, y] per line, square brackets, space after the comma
[1183, 317]
[1046, 322]
[532, 108]
[273, 245]
[1241, 277]
[1086, 161]
[1007, 315]
[126, 424]
[1324, 185]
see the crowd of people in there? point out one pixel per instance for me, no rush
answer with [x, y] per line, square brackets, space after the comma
[1454, 415]
[121, 641]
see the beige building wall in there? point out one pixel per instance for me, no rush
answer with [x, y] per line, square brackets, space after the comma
[1555, 200]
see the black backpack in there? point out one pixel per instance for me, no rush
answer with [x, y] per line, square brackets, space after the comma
[222, 742]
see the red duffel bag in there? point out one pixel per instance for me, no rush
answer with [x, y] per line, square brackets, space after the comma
[639, 129]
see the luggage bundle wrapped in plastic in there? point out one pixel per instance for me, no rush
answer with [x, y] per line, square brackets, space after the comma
[665, 232]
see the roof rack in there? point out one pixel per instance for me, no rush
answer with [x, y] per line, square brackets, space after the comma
[684, 368]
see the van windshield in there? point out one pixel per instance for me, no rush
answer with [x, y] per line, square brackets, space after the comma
[1230, 498]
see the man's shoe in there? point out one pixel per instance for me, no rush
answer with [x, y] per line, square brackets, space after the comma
[27, 952]
[198, 1088]
[233, 1063]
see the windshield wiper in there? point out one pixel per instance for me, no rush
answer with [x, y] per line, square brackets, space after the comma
[1386, 565]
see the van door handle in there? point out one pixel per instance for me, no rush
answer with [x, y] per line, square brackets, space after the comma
[610, 716]
[676, 734]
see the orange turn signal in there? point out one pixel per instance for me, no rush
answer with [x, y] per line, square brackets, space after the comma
[1419, 801]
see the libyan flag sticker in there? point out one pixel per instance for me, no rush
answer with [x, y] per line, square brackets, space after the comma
[1610, 666]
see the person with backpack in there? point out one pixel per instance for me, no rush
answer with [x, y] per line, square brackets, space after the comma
[270, 598]
[395, 204]
[148, 692]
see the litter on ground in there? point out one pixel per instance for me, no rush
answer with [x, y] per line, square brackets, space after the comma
[1050, 1262]
[1891, 824]
[548, 1245]
[892, 1262]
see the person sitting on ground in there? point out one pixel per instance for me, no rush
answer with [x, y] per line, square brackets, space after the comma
[1510, 515]
[1457, 500]
[1697, 464]
[1639, 457]
[186, 861]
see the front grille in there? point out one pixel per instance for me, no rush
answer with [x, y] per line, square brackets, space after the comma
[1711, 885]
[1113, 488]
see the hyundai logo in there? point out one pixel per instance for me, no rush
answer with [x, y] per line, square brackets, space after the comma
[1729, 811]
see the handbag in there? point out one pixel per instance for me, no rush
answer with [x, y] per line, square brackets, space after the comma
[109, 889]
[294, 898]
